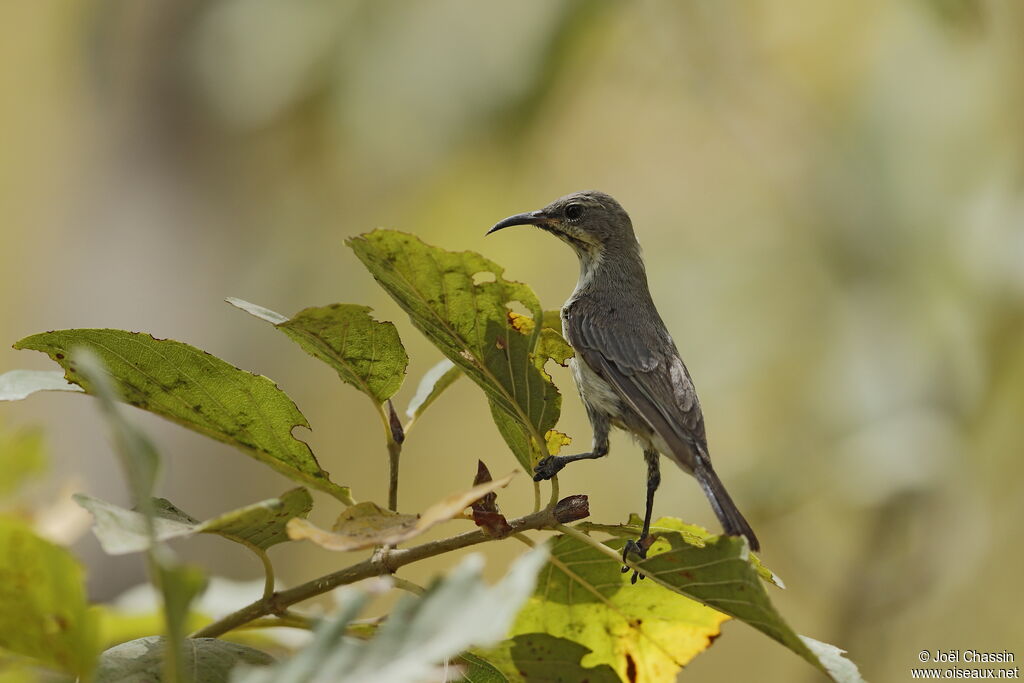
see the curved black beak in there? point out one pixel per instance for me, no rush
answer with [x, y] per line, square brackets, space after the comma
[529, 218]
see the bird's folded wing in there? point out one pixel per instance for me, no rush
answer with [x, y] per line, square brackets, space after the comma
[652, 380]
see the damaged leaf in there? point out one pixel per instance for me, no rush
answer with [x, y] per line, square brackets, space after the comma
[582, 596]
[367, 524]
[198, 391]
[485, 511]
[474, 325]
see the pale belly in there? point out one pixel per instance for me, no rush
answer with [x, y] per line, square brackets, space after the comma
[595, 391]
[600, 396]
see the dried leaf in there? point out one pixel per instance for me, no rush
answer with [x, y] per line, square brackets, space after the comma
[367, 524]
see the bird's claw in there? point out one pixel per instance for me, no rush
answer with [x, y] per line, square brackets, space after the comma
[638, 548]
[547, 468]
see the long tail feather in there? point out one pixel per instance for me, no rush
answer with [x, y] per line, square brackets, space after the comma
[728, 514]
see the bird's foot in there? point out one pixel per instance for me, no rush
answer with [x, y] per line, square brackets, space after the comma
[638, 548]
[548, 467]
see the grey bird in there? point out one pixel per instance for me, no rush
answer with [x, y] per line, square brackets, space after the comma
[627, 368]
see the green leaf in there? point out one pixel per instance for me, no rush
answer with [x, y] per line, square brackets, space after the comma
[534, 657]
[713, 571]
[582, 596]
[196, 390]
[694, 535]
[21, 457]
[433, 384]
[43, 610]
[471, 320]
[18, 384]
[142, 660]
[455, 613]
[261, 524]
[366, 353]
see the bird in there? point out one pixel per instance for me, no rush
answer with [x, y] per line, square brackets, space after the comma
[626, 365]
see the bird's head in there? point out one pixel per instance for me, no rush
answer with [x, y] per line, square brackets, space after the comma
[591, 222]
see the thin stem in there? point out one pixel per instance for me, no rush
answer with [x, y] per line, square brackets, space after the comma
[394, 454]
[268, 569]
[593, 542]
[289, 620]
[523, 538]
[554, 491]
[548, 518]
[408, 585]
[395, 438]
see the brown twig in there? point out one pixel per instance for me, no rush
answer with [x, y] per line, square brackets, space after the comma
[566, 510]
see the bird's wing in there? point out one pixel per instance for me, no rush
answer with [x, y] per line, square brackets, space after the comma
[648, 375]
[641, 363]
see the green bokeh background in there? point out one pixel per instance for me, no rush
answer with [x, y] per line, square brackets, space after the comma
[829, 196]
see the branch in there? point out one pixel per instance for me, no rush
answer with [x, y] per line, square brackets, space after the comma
[566, 510]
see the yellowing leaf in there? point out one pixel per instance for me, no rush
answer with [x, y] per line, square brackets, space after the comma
[556, 440]
[709, 570]
[198, 391]
[367, 524]
[583, 596]
[472, 322]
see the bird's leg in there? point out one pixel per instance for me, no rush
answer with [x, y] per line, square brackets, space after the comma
[552, 465]
[641, 545]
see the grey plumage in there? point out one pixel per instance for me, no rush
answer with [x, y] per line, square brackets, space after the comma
[627, 368]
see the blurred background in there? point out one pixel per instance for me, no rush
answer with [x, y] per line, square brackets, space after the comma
[829, 196]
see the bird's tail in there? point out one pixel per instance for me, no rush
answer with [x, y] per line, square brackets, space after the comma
[728, 514]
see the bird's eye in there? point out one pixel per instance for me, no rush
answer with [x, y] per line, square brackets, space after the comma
[574, 212]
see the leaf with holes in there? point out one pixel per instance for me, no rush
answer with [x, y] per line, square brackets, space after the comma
[365, 353]
[261, 524]
[472, 321]
[196, 390]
